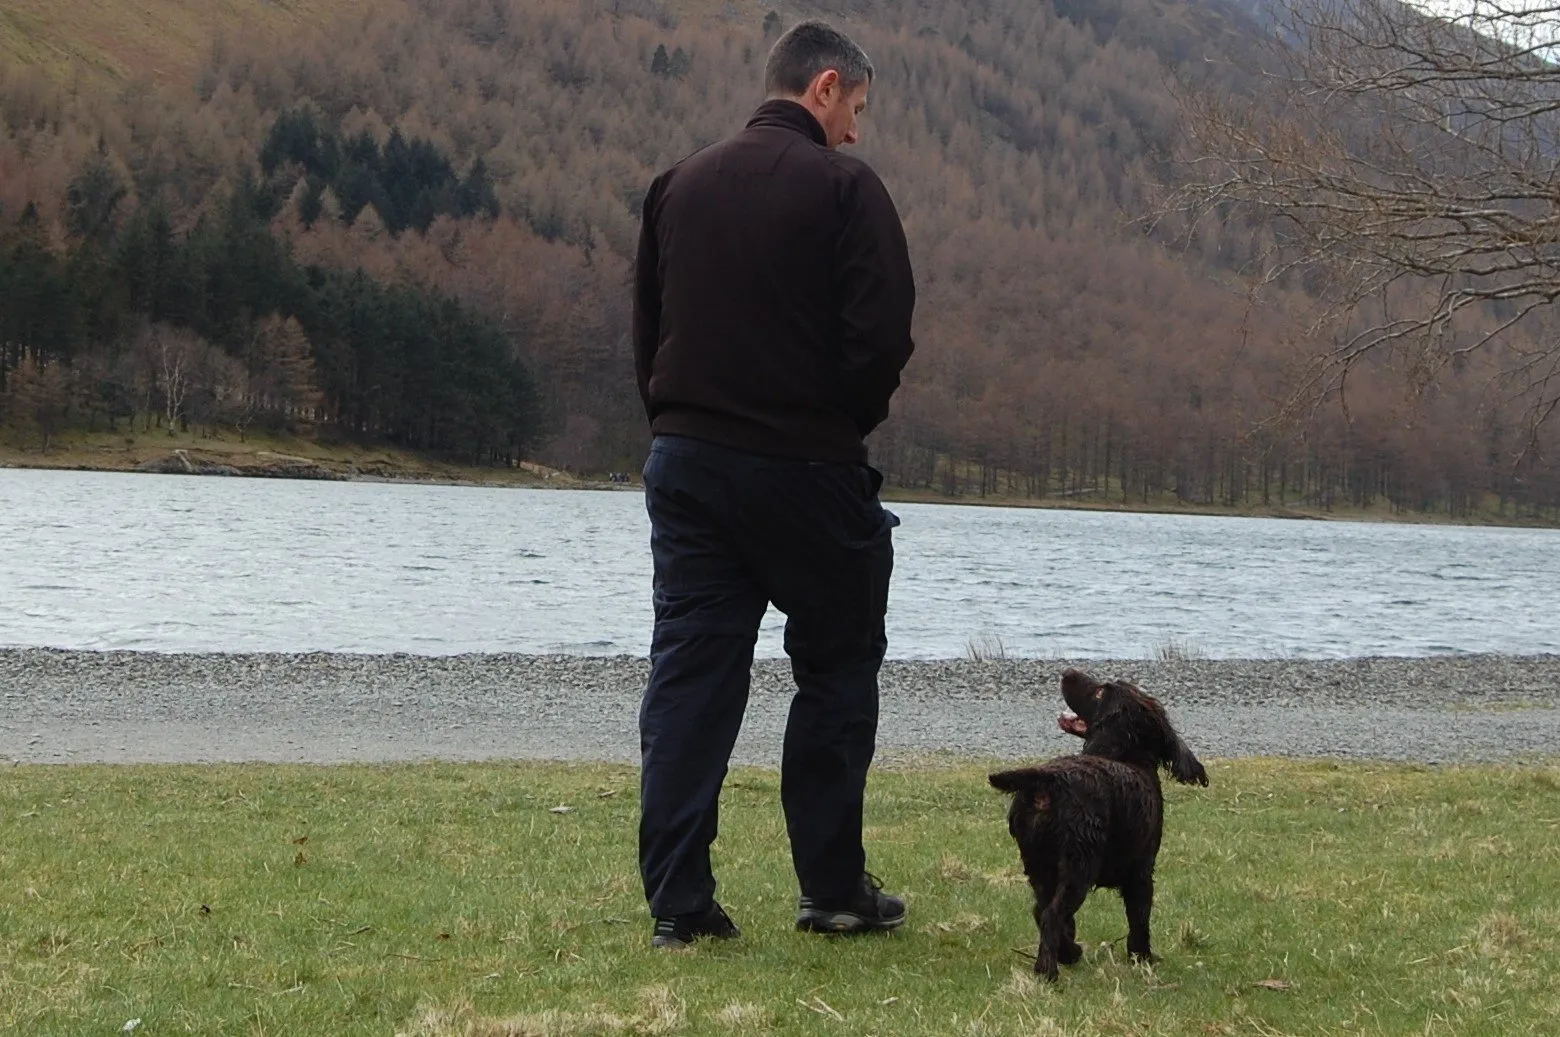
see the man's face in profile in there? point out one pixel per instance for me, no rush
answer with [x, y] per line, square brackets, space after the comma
[839, 110]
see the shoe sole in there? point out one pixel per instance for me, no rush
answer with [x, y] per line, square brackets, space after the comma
[672, 943]
[845, 923]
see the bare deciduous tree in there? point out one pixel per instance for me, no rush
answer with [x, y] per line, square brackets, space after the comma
[41, 394]
[1407, 170]
[167, 356]
[174, 363]
[282, 380]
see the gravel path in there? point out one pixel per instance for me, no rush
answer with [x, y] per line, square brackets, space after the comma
[126, 707]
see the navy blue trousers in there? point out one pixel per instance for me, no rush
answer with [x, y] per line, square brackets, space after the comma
[731, 532]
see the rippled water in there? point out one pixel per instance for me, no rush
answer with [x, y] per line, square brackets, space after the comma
[172, 563]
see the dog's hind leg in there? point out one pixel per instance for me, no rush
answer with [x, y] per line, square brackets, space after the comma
[1070, 953]
[1056, 920]
[1044, 890]
[1138, 898]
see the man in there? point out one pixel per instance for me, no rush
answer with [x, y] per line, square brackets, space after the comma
[772, 311]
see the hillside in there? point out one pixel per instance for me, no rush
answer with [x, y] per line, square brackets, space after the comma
[162, 40]
[1060, 352]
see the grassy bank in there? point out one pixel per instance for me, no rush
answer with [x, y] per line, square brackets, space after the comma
[1294, 898]
[259, 453]
[1489, 514]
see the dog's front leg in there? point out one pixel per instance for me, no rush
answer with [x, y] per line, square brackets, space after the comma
[1138, 898]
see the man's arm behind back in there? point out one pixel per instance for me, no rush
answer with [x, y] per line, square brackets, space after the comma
[647, 296]
[877, 300]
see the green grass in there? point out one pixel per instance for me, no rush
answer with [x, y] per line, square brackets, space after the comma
[438, 900]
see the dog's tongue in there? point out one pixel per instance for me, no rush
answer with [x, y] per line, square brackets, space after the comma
[1073, 724]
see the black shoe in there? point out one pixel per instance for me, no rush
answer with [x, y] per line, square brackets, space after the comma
[682, 930]
[869, 910]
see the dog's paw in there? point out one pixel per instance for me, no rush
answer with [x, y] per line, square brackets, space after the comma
[1069, 954]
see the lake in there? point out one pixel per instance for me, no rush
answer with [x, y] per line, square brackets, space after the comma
[185, 564]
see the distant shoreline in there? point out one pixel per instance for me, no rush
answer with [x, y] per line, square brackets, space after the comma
[308, 462]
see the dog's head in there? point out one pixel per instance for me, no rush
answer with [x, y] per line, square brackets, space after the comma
[1117, 720]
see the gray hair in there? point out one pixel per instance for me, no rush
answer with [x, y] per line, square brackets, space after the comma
[806, 51]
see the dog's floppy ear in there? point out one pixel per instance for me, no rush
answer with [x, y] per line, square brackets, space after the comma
[1184, 766]
[1173, 752]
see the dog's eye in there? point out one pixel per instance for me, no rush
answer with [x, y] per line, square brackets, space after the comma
[1099, 692]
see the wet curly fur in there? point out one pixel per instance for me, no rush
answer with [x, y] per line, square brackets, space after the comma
[1095, 819]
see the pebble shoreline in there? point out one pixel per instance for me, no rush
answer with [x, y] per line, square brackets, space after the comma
[142, 707]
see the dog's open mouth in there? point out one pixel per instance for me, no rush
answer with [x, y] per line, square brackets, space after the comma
[1073, 724]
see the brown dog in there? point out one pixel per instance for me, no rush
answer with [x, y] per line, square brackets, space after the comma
[1095, 819]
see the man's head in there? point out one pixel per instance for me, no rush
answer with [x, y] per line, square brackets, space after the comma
[824, 71]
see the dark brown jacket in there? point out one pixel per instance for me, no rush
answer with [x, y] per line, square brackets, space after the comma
[773, 294]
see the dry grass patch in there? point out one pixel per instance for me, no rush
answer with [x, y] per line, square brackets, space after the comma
[964, 924]
[661, 1012]
[951, 869]
[744, 1017]
[1501, 934]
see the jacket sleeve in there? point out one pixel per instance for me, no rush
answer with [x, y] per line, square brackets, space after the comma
[647, 296]
[877, 301]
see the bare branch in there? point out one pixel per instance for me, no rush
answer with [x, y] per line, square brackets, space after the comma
[1398, 162]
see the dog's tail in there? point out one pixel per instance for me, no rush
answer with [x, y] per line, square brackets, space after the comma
[1027, 779]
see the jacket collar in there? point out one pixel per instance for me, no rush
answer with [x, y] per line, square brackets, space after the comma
[791, 116]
